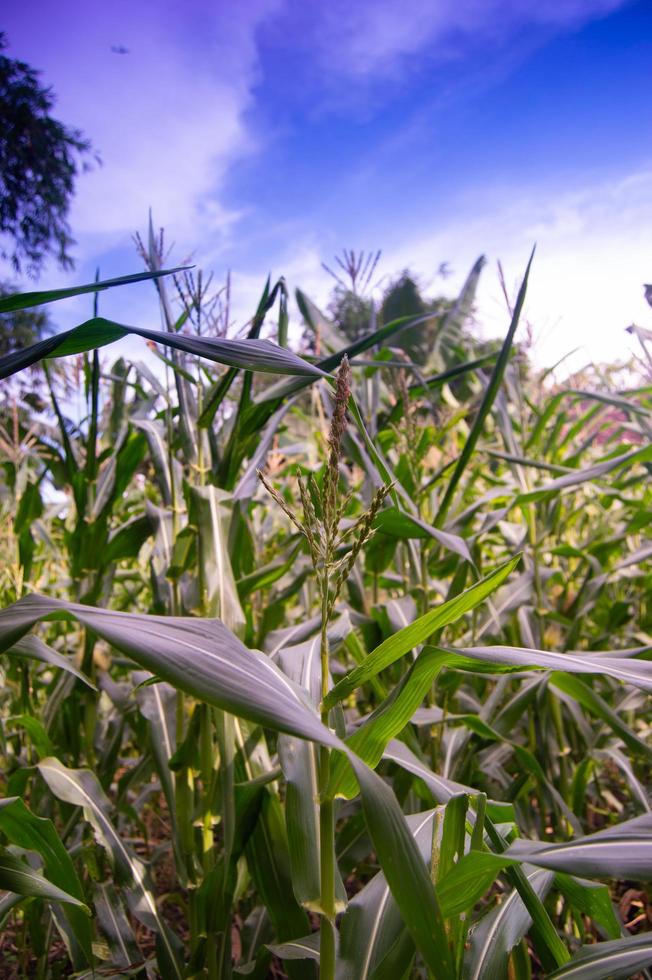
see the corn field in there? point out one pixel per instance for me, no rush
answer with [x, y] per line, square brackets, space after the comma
[318, 665]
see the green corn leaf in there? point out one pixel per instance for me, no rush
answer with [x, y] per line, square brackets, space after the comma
[269, 865]
[372, 924]
[403, 867]
[87, 336]
[320, 325]
[36, 731]
[300, 763]
[487, 402]
[32, 648]
[157, 704]
[209, 511]
[16, 876]
[8, 902]
[597, 706]
[252, 355]
[621, 851]
[638, 673]
[249, 354]
[492, 939]
[81, 788]
[215, 397]
[306, 948]
[263, 577]
[642, 454]
[404, 526]
[468, 880]
[126, 541]
[199, 656]
[386, 722]
[115, 926]
[248, 483]
[591, 898]
[442, 789]
[395, 647]
[613, 756]
[451, 373]
[167, 468]
[616, 960]
[219, 392]
[23, 301]
[24, 829]
[205, 659]
[281, 389]
[383, 471]
[632, 408]
[451, 846]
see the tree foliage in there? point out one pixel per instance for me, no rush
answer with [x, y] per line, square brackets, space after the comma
[351, 312]
[40, 159]
[20, 328]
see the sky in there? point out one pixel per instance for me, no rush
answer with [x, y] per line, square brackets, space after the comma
[268, 135]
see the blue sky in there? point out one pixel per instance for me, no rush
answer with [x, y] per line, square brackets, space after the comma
[268, 134]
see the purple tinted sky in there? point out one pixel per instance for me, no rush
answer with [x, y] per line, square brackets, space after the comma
[268, 134]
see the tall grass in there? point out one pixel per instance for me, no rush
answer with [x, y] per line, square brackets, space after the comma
[385, 716]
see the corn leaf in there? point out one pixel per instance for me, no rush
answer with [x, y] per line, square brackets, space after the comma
[396, 646]
[616, 960]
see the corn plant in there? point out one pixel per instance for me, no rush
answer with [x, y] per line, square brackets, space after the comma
[343, 675]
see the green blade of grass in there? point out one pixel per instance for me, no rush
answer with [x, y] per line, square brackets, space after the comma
[487, 402]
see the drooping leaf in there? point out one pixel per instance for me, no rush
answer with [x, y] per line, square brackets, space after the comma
[597, 706]
[32, 648]
[641, 454]
[621, 851]
[619, 959]
[591, 898]
[372, 923]
[157, 703]
[252, 355]
[300, 763]
[404, 526]
[306, 948]
[492, 938]
[635, 672]
[386, 722]
[24, 829]
[17, 876]
[81, 788]
[115, 926]
[205, 659]
[210, 512]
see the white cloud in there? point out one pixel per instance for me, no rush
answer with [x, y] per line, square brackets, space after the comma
[170, 120]
[593, 255]
[380, 38]
[167, 117]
